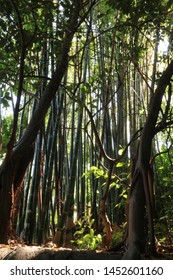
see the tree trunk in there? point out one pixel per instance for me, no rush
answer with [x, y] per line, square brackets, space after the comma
[6, 197]
[11, 165]
[141, 181]
[136, 212]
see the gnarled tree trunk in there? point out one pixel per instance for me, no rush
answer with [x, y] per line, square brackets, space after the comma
[139, 195]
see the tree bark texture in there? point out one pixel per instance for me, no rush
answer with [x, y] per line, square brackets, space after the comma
[141, 181]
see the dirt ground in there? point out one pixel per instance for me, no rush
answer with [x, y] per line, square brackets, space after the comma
[51, 252]
[46, 253]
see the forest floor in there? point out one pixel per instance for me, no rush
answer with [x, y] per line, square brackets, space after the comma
[24, 252]
[51, 252]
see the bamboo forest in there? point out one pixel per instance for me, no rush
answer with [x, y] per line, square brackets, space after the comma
[86, 141]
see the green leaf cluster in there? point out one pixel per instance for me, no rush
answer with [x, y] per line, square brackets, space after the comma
[86, 237]
[6, 131]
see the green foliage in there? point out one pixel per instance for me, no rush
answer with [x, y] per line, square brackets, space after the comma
[98, 172]
[6, 130]
[164, 192]
[118, 233]
[86, 237]
[5, 98]
[117, 182]
[124, 6]
[6, 133]
[150, 9]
